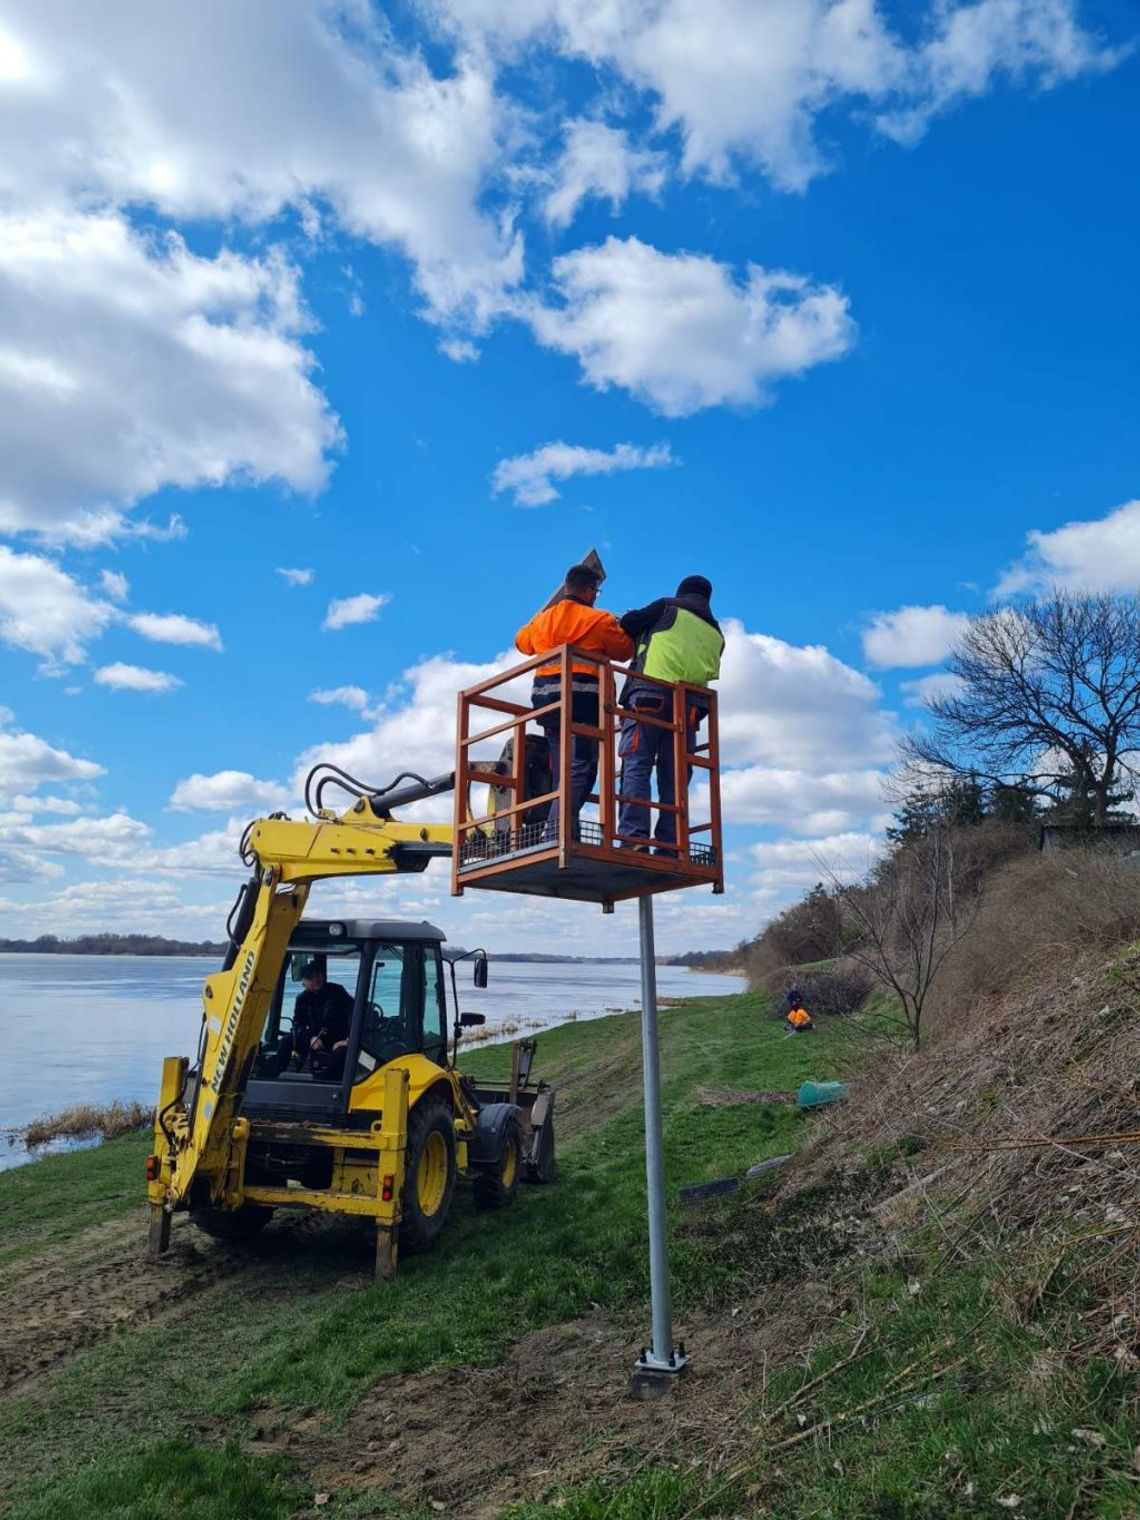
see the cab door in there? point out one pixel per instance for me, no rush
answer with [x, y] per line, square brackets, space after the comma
[403, 1014]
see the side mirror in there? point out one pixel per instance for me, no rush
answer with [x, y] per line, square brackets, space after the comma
[481, 971]
[472, 1020]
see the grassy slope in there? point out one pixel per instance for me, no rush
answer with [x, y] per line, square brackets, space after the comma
[293, 1333]
[968, 1396]
[44, 1203]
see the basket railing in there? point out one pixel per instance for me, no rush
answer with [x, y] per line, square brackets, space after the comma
[503, 831]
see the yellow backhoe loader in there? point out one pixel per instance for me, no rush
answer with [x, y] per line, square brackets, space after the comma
[384, 1124]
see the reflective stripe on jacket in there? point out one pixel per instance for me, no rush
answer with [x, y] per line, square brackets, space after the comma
[573, 622]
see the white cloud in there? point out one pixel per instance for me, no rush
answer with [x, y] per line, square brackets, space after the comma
[164, 366]
[806, 801]
[926, 688]
[48, 804]
[295, 577]
[26, 866]
[158, 366]
[912, 636]
[745, 83]
[344, 696]
[1098, 555]
[115, 840]
[114, 584]
[599, 160]
[531, 476]
[45, 611]
[228, 792]
[797, 707]
[681, 332]
[415, 731]
[174, 628]
[459, 350]
[788, 715]
[1029, 41]
[145, 906]
[27, 761]
[211, 854]
[796, 864]
[312, 106]
[122, 677]
[347, 610]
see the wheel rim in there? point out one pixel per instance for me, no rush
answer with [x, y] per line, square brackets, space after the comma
[431, 1174]
[510, 1163]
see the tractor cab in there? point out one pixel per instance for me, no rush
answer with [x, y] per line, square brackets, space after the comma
[392, 975]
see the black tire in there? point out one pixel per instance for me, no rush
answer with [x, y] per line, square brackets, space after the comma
[426, 1198]
[544, 1167]
[496, 1188]
[232, 1225]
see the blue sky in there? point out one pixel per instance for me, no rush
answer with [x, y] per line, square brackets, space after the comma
[829, 300]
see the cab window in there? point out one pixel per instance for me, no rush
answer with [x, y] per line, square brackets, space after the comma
[435, 1006]
[341, 966]
[390, 1025]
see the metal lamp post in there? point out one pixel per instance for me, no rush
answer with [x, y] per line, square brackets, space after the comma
[661, 1362]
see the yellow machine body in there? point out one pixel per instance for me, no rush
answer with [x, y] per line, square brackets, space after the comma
[202, 1138]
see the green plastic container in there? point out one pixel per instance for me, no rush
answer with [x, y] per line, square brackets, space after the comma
[819, 1094]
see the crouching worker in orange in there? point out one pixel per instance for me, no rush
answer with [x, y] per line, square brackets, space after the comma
[573, 619]
[798, 1020]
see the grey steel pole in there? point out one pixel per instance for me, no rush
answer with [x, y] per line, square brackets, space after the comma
[662, 1356]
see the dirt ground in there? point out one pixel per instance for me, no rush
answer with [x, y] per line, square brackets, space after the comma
[559, 1410]
[53, 1304]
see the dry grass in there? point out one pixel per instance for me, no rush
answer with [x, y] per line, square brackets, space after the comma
[480, 1034]
[1012, 1135]
[1002, 1116]
[85, 1120]
[1034, 911]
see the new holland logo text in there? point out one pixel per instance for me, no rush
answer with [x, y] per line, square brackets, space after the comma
[227, 1040]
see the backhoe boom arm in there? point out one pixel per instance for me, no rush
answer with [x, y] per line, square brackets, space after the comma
[287, 857]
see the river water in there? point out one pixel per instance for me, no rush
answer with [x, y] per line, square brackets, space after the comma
[92, 1028]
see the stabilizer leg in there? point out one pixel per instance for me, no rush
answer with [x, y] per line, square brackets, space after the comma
[158, 1237]
[387, 1251]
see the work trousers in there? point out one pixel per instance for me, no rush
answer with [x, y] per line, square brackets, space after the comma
[583, 759]
[643, 748]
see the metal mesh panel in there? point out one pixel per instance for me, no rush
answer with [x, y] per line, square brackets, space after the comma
[478, 848]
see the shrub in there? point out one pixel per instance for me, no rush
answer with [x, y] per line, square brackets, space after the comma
[837, 993]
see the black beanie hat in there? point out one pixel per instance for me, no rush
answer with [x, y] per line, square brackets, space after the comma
[695, 585]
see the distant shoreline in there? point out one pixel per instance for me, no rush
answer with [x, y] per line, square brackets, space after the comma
[215, 952]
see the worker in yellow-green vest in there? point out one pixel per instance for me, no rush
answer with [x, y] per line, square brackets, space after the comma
[677, 639]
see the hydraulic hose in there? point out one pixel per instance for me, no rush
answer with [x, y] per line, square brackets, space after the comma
[383, 799]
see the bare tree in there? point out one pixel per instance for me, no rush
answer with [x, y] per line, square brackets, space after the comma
[1044, 696]
[903, 922]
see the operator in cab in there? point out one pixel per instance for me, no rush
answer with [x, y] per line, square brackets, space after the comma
[322, 1018]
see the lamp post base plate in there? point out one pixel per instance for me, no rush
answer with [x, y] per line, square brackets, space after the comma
[653, 1377]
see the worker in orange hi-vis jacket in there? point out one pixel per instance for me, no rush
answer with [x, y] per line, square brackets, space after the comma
[798, 1021]
[573, 619]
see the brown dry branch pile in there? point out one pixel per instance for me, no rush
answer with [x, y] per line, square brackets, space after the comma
[731, 1097]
